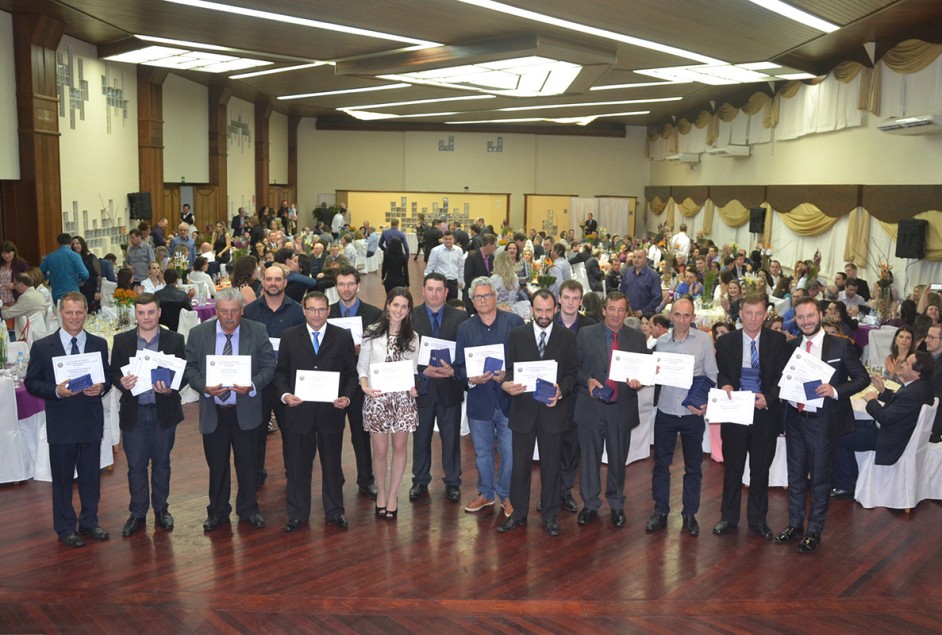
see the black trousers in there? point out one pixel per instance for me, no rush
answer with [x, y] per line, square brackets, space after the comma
[759, 441]
[64, 459]
[449, 429]
[360, 439]
[550, 459]
[810, 447]
[612, 434]
[452, 286]
[270, 403]
[216, 447]
[300, 449]
[570, 457]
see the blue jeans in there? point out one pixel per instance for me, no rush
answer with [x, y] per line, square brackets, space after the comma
[483, 432]
[666, 429]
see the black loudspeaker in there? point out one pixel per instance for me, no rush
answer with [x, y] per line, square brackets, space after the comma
[911, 239]
[756, 220]
[139, 205]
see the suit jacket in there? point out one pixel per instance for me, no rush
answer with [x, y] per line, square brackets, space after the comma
[849, 378]
[335, 353]
[863, 289]
[433, 237]
[594, 273]
[370, 314]
[897, 416]
[594, 359]
[253, 340]
[169, 407]
[474, 268]
[239, 224]
[525, 411]
[448, 391]
[773, 355]
[463, 239]
[78, 419]
[936, 383]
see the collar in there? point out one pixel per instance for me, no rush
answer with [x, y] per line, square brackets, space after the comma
[816, 342]
[440, 313]
[353, 308]
[219, 330]
[746, 339]
[537, 330]
[321, 330]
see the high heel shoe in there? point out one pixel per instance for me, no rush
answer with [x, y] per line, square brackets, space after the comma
[392, 513]
[380, 512]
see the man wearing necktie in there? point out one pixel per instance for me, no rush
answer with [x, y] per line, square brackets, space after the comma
[74, 421]
[475, 265]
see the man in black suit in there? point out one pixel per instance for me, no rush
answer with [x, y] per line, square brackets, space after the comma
[605, 422]
[863, 289]
[309, 426]
[479, 263]
[462, 237]
[148, 420]
[440, 399]
[531, 419]
[432, 238]
[350, 305]
[733, 354]
[74, 421]
[239, 223]
[591, 226]
[934, 348]
[897, 416]
[811, 432]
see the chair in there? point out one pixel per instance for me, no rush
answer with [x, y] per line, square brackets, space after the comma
[778, 471]
[15, 348]
[373, 262]
[36, 328]
[15, 461]
[332, 296]
[930, 483]
[107, 292]
[360, 246]
[187, 320]
[896, 486]
[878, 347]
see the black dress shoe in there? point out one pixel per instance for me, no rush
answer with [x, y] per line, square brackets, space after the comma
[512, 523]
[338, 521]
[369, 490]
[691, 526]
[723, 527]
[586, 516]
[762, 530]
[655, 522]
[255, 520]
[294, 523]
[551, 527]
[95, 532]
[842, 494]
[133, 525]
[417, 491]
[164, 520]
[935, 438]
[809, 543]
[214, 521]
[453, 493]
[788, 533]
[72, 540]
[618, 518]
[569, 503]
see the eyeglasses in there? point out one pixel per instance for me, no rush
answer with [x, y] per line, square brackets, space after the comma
[316, 309]
[483, 296]
[933, 337]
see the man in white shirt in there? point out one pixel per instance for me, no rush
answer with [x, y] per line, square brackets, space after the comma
[29, 304]
[336, 224]
[849, 297]
[680, 242]
[448, 260]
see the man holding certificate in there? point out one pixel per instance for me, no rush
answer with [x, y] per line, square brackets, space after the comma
[811, 431]
[315, 378]
[750, 360]
[606, 410]
[229, 361]
[535, 413]
[148, 419]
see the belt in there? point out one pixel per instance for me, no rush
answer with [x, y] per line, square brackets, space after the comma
[804, 414]
[225, 407]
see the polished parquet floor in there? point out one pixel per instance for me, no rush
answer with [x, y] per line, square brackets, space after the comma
[438, 569]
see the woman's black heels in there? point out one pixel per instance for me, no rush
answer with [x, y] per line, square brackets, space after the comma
[381, 512]
[391, 514]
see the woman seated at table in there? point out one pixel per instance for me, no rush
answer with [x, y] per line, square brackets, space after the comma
[690, 286]
[838, 310]
[504, 279]
[245, 278]
[154, 280]
[832, 326]
[901, 348]
[784, 288]
[200, 277]
[525, 268]
[731, 302]
[920, 330]
[40, 284]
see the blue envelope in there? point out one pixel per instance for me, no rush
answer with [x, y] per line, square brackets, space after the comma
[80, 383]
[699, 391]
[603, 392]
[810, 387]
[545, 391]
[493, 365]
[436, 357]
[750, 380]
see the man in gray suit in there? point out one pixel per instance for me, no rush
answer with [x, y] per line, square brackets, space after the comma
[605, 418]
[229, 415]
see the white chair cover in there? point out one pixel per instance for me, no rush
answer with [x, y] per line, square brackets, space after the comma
[188, 319]
[578, 273]
[930, 483]
[360, 246]
[373, 262]
[43, 470]
[15, 348]
[332, 296]
[15, 464]
[778, 471]
[896, 486]
[107, 292]
[37, 328]
[879, 344]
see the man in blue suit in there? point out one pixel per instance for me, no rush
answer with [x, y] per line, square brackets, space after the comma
[74, 421]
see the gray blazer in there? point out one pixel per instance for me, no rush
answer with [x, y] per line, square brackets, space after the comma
[594, 358]
[253, 340]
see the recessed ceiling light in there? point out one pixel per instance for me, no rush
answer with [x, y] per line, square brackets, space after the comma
[345, 91]
[638, 85]
[581, 121]
[797, 15]
[272, 71]
[590, 104]
[416, 102]
[796, 76]
[181, 59]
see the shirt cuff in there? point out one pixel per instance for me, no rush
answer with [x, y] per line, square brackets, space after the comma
[252, 392]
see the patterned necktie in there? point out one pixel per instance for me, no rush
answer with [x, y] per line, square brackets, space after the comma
[755, 355]
[346, 312]
[487, 264]
[317, 344]
[801, 406]
[226, 350]
[608, 382]
[435, 324]
[541, 347]
[75, 348]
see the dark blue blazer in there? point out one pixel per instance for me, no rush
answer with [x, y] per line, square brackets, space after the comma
[897, 417]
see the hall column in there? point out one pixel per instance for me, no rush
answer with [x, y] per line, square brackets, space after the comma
[150, 136]
[263, 112]
[219, 97]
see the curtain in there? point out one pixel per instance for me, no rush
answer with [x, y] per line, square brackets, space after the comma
[858, 231]
[613, 215]
[807, 220]
[734, 214]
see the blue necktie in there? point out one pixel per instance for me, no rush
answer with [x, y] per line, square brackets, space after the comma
[317, 345]
[75, 348]
[754, 355]
[435, 325]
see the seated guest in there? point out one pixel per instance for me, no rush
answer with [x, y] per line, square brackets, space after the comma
[298, 284]
[200, 275]
[896, 416]
[690, 286]
[900, 350]
[838, 310]
[28, 303]
[108, 264]
[849, 296]
[152, 283]
[171, 292]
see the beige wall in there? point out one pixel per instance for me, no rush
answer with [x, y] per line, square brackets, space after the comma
[240, 161]
[278, 149]
[186, 131]
[9, 142]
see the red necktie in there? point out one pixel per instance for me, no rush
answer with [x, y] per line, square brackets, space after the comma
[801, 406]
[608, 382]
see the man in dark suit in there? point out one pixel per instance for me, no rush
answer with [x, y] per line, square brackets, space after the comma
[239, 223]
[173, 300]
[462, 237]
[531, 419]
[479, 263]
[230, 415]
[74, 421]
[934, 348]
[440, 399]
[733, 354]
[605, 422]
[896, 416]
[811, 433]
[350, 305]
[148, 420]
[863, 289]
[309, 426]
[591, 226]
[432, 238]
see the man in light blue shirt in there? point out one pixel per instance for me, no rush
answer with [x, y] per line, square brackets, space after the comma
[183, 238]
[64, 268]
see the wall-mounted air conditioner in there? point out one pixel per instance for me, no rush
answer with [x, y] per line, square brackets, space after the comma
[729, 152]
[683, 158]
[920, 125]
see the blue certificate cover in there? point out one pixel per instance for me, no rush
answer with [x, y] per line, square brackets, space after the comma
[603, 392]
[750, 380]
[493, 365]
[436, 357]
[699, 391]
[544, 392]
[810, 387]
[80, 383]
[161, 374]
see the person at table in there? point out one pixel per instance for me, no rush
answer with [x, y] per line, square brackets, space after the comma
[753, 347]
[811, 432]
[893, 423]
[389, 417]
[690, 286]
[11, 265]
[863, 289]
[440, 401]
[641, 285]
[447, 259]
[74, 421]
[277, 312]
[488, 406]
[149, 420]
[154, 281]
[229, 416]
[673, 418]
[199, 276]
[309, 427]
[605, 421]
[350, 305]
[900, 350]
[531, 419]
[934, 348]
[29, 303]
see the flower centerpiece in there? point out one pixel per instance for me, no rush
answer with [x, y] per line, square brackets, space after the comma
[709, 288]
[545, 282]
[124, 303]
[883, 303]
[240, 249]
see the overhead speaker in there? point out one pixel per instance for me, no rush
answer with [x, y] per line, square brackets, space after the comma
[139, 205]
[911, 239]
[756, 220]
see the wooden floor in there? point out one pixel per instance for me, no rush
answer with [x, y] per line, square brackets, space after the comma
[440, 570]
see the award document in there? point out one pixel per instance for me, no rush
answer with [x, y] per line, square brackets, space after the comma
[674, 369]
[352, 324]
[527, 373]
[73, 366]
[625, 366]
[802, 368]
[474, 357]
[228, 370]
[392, 376]
[317, 385]
[737, 407]
[146, 361]
[429, 344]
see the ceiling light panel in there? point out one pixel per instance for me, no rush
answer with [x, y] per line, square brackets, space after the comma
[181, 59]
[346, 91]
[793, 13]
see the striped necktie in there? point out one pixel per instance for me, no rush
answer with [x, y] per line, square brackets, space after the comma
[754, 355]
[541, 347]
[226, 350]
